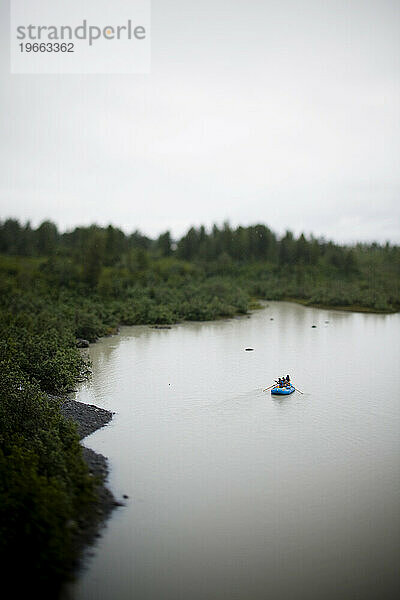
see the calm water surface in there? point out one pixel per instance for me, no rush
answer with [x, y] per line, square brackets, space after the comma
[234, 494]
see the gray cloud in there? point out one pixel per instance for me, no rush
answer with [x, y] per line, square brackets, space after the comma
[279, 112]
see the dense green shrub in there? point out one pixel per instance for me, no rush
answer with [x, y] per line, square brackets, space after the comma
[44, 483]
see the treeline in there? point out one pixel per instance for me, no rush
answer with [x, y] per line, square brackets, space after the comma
[243, 244]
[45, 240]
[56, 287]
[110, 262]
[259, 243]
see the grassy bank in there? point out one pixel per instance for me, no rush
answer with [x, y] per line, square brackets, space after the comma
[349, 308]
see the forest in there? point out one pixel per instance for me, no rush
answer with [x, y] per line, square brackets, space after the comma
[58, 287]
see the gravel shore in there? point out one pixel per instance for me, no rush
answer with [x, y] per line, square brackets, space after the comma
[88, 419]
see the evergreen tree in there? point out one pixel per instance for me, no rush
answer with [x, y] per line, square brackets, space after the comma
[164, 244]
[10, 233]
[188, 246]
[46, 238]
[287, 249]
[93, 260]
[114, 245]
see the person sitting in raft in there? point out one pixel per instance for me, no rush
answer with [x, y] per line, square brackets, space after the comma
[288, 378]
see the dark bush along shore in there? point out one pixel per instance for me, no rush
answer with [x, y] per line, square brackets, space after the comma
[58, 290]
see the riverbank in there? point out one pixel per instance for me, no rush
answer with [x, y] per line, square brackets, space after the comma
[88, 419]
[347, 308]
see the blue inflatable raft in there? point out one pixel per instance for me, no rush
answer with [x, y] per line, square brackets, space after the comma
[282, 391]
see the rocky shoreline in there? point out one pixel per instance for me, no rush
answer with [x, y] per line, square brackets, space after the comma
[88, 418]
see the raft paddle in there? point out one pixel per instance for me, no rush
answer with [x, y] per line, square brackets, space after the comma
[298, 390]
[268, 388]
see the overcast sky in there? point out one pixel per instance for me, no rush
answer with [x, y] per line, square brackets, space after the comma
[283, 112]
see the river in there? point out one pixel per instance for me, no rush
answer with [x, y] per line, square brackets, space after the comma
[234, 494]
